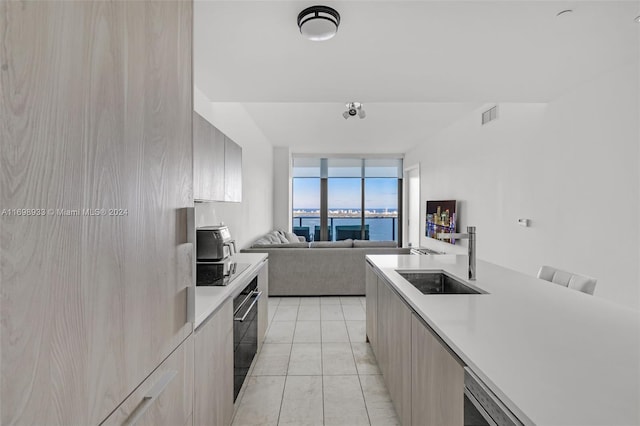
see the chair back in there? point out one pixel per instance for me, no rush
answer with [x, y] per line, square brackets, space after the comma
[302, 231]
[316, 233]
[567, 279]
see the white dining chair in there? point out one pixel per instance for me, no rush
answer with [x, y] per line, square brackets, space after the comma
[567, 279]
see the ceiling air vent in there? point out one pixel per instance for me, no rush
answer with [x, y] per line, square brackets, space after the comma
[490, 115]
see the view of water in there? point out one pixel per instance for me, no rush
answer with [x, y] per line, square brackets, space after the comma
[383, 223]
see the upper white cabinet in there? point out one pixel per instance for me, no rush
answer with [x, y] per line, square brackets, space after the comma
[217, 164]
[208, 160]
[232, 171]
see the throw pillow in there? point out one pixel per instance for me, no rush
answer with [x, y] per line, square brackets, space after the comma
[282, 238]
[261, 241]
[293, 238]
[273, 237]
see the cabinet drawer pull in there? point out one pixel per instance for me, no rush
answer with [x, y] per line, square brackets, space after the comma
[150, 396]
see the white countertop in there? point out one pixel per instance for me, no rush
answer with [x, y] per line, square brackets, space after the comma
[554, 356]
[209, 298]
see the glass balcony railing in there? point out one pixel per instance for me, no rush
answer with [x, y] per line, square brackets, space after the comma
[384, 228]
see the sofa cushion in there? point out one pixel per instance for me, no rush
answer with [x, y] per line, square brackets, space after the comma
[332, 244]
[368, 243]
[282, 245]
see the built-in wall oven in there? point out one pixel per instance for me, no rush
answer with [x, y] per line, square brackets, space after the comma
[245, 332]
[482, 407]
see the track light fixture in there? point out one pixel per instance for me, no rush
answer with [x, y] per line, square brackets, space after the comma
[353, 109]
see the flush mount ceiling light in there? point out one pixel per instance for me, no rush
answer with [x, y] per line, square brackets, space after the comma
[318, 23]
[353, 109]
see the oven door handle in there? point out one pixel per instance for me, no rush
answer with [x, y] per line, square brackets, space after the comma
[257, 294]
[479, 407]
[244, 301]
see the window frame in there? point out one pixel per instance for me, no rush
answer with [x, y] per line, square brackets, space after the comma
[323, 174]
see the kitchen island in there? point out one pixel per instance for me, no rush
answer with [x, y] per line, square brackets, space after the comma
[553, 356]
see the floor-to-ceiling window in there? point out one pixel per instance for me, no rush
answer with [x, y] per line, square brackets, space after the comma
[382, 188]
[344, 198]
[306, 196]
[339, 198]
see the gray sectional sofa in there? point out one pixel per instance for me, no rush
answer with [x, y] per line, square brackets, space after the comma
[322, 268]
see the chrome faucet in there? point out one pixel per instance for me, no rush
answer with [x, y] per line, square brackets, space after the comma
[471, 236]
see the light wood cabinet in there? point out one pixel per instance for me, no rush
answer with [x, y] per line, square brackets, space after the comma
[382, 348]
[208, 160]
[438, 381]
[263, 303]
[425, 381]
[233, 171]
[217, 163]
[97, 102]
[394, 349]
[165, 397]
[214, 358]
[371, 290]
[214, 368]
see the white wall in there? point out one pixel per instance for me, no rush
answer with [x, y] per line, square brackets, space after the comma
[411, 207]
[571, 166]
[282, 215]
[252, 217]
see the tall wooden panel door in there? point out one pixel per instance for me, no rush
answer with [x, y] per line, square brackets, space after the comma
[96, 142]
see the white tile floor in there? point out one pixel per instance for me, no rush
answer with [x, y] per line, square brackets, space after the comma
[315, 368]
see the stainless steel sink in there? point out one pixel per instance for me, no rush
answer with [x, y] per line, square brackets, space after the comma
[437, 283]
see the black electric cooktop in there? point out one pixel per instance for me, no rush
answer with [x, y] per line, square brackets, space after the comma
[218, 273]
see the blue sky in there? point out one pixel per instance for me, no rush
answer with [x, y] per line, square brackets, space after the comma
[344, 193]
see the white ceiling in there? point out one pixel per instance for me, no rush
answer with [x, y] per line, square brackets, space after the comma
[416, 65]
[320, 127]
